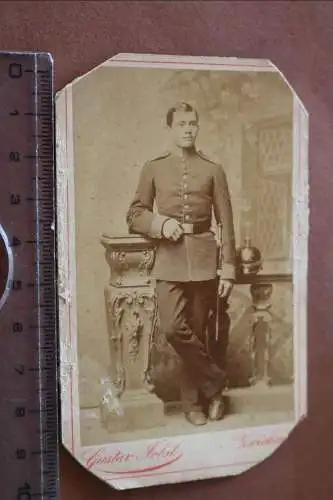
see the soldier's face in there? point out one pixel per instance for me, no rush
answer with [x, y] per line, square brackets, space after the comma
[184, 128]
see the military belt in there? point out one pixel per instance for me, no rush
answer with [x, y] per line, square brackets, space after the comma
[196, 227]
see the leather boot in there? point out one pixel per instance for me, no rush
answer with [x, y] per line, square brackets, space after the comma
[216, 409]
[196, 417]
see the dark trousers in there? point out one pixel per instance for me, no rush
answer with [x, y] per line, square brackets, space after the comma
[184, 314]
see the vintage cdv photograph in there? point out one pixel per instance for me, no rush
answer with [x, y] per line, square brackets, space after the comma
[182, 247]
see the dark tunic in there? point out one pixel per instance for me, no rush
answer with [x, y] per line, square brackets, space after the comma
[189, 189]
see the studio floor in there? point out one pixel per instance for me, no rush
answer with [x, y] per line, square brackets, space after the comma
[249, 407]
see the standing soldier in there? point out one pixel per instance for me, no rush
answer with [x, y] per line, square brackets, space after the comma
[186, 188]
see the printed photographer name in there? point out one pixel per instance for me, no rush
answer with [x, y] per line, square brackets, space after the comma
[154, 456]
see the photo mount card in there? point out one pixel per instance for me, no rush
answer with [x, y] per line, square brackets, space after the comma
[152, 301]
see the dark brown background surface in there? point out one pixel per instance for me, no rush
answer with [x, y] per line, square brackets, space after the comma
[298, 38]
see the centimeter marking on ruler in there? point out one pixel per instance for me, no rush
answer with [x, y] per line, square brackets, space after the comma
[28, 324]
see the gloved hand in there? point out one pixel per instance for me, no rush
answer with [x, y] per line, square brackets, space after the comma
[225, 288]
[172, 230]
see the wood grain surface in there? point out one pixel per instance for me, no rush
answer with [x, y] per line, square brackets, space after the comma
[297, 37]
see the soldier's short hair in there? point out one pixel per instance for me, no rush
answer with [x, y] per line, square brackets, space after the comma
[181, 106]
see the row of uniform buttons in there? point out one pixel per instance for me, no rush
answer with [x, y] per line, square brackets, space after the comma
[185, 217]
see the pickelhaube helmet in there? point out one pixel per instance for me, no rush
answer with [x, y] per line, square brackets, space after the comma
[248, 258]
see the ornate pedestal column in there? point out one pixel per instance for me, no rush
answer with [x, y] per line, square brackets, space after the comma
[131, 316]
[260, 334]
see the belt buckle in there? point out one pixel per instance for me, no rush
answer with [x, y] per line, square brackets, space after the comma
[188, 228]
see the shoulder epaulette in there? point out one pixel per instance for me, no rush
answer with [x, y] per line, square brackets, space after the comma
[204, 157]
[162, 156]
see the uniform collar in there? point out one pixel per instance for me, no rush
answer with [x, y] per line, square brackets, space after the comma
[184, 153]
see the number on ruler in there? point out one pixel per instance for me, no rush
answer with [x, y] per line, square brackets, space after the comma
[15, 70]
[14, 156]
[15, 242]
[20, 369]
[15, 199]
[20, 412]
[17, 327]
[21, 454]
[16, 285]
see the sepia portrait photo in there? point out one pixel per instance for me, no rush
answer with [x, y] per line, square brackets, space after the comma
[182, 243]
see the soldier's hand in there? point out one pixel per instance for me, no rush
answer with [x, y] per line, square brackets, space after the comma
[225, 288]
[172, 230]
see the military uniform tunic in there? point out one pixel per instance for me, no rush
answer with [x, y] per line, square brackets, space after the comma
[190, 189]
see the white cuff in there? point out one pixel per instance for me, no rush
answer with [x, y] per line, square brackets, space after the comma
[228, 272]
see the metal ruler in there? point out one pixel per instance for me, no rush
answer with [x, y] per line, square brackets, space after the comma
[28, 321]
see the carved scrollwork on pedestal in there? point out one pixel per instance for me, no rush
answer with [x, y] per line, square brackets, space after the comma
[135, 336]
[147, 261]
[116, 312]
[118, 261]
[130, 261]
[130, 312]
